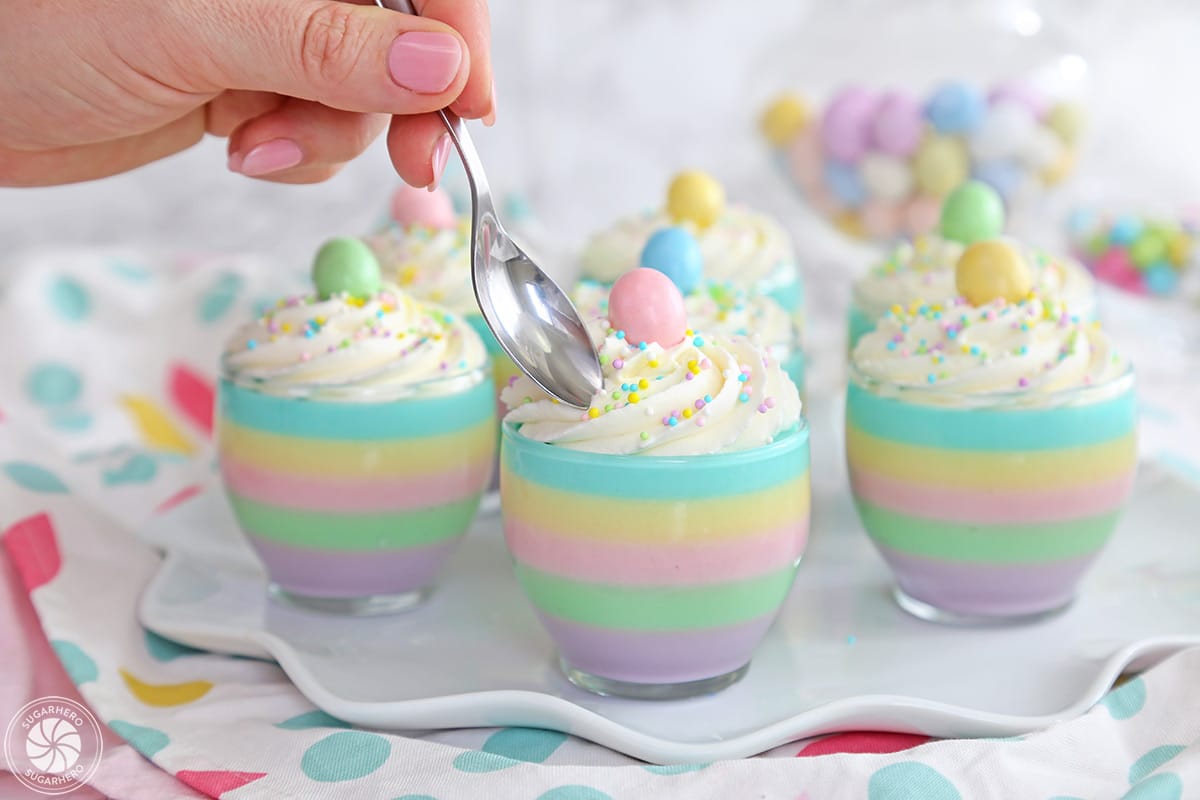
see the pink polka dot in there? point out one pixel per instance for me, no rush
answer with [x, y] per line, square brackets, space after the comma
[863, 742]
[193, 394]
[33, 548]
[180, 497]
[214, 783]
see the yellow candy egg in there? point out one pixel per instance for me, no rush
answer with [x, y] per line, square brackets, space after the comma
[940, 165]
[695, 197]
[1179, 248]
[1067, 120]
[850, 224]
[1063, 166]
[784, 118]
[990, 270]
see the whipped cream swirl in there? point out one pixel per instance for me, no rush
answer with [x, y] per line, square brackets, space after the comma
[743, 246]
[707, 394]
[924, 268]
[390, 339]
[944, 353]
[431, 265]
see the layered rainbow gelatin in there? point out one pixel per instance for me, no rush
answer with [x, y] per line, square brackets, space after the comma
[991, 447]
[356, 435]
[657, 532]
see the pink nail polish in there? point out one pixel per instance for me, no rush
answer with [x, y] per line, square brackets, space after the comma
[424, 62]
[441, 154]
[268, 157]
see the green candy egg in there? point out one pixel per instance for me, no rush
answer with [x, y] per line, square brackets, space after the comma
[972, 213]
[1149, 247]
[346, 265]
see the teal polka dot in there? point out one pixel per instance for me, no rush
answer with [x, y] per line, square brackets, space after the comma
[69, 299]
[508, 747]
[52, 384]
[34, 478]
[311, 719]
[79, 665]
[70, 420]
[1163, 786]
[345, 756]
[219, 297]
[574, 793]
[134, 273]
[138, 468]
[1152, 760]
[910, 780]
[146, 741]
[1126, 700]
[163, 649]
[674, 769]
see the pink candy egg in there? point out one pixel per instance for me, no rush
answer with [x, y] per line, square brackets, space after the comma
[647, 306]
[922, 214]
[846, 124]
[422, 207]
[880, 219]
[1117, 268]
[898, 124]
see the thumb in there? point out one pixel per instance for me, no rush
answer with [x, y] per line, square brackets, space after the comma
[352, 57]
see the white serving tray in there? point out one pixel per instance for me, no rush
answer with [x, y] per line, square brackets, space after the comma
[843, 656]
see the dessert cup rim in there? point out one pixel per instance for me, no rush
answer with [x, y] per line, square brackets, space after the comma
[794, 436]
[359, 391]
[1015, 399]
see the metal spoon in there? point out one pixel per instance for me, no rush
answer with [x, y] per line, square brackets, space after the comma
[531, 317]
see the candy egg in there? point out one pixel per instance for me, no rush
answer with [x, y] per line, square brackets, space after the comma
[850, 224]
[411, 206]
[346, 265]
[1082, 222]
[805, 159]
[846, 124]
[955, 108]
[675, 253]
[1125, 230]
[1003, 176]
[695, 197]
[784, 118]
[971, 213]
[1179, 248]
[940, 165]
[1067, 120]
[880, 218]
[1019, 93]
[898, 124]
[1113, 266]
[1006, 128]
[1161, 278]
[1150, 246]
[844, 183]
[992, 270]
[648, 307]
[886, 177]
[921, 214]
[1060, 169]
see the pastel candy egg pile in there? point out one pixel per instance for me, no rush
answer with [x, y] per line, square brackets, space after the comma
[1138, 254]
[879, 164]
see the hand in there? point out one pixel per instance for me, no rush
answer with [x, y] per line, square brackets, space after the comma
[90, 88]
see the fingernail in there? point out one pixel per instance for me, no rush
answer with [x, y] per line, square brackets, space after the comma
[424, 62]
[268, 157]
[489, 119]
[441, 153]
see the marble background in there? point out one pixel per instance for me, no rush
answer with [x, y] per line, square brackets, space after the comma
[600, 100]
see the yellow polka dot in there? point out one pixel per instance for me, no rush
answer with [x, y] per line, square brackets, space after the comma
[155, 426]
[170, 694]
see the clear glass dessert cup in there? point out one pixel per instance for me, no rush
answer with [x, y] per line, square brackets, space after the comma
[355, 496]
[655, 576]
[989, 508]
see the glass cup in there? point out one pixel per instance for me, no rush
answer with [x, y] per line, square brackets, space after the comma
[656, 577]
[989, 508]
[354, 497]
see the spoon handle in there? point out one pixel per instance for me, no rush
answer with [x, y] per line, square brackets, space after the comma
[481, 193]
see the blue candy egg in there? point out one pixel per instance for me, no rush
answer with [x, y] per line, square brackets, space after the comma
[1125, 230]
[1002, 175]
[956, 108]
[845, 184]
[1082, 221]
[675, 253]
[1161, 278]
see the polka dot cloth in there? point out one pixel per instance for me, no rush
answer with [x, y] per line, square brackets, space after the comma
[236, 727]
